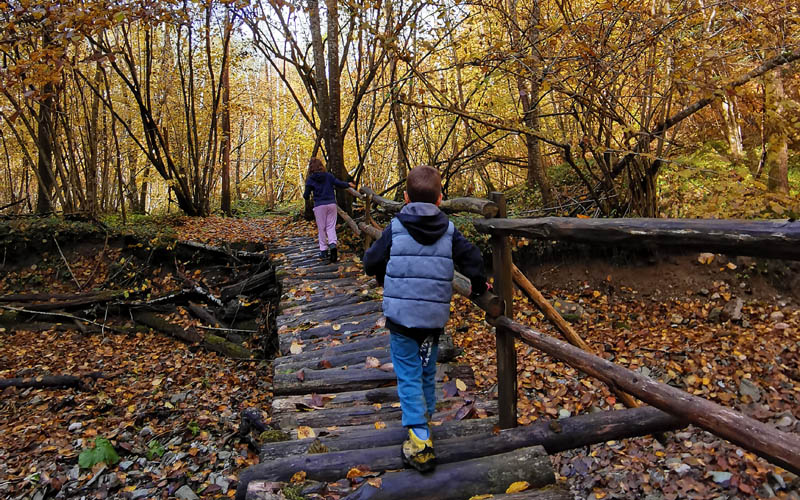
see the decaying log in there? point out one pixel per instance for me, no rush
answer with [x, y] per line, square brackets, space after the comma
[778, 447]
[547, 493]
[774, 238]
[76, 302]
[204, 314]
[52, 381]
[250, 285]
[225, 253]
[208, 341]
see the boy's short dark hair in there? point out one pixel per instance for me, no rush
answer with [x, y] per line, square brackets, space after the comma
[424, 184]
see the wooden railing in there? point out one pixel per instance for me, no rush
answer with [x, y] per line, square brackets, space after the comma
[759, 238]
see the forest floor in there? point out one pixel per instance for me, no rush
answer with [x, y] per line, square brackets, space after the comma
[171, 411]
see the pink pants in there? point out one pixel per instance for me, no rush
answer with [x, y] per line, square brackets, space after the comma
[326, 225]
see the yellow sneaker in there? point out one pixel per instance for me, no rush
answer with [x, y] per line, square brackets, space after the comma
[418, 453]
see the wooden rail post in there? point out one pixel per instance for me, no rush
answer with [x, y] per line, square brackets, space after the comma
[368, 218]
[506, 353]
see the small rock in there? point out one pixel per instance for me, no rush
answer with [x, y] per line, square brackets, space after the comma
[142, 462]
[125, 464]
[177, 440]
[146, 431]
[75, 426]
[111, 481]
[186, 493]
[35, 401]
[74, 473]
[178, 398]
[704, 292]
[715, 315]
[224, 455]
[564, 413]
[222, 483]
[676, 319]
[142, 493]
[715, 296]
[745, 324]
[748, 388]
[764, 491]
[682, 469]
[776, 317]
[733, 310]
[720, 477]
[776, 480]
[780, 326]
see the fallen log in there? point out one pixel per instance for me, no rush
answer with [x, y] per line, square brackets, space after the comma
[202, 313]
[546, 493]
[249, 286]
[770, 238]
[356, 438]
[52, 381]
[350, 311]
[76, 302]
[460, 452]
[480, 206]
[226, 253]
[778, 447]
[565, 328]
[554, 435]
[208, 341]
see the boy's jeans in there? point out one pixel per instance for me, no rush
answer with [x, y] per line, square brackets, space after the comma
[416, 379]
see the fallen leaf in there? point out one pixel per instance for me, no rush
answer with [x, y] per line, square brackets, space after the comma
[705, 258]
[298, 477]
[460, 385]
[296, 348]
[380, 425]
[375, 482]
[372, 362]
[301, 375]
[305, 432]
[518, 486]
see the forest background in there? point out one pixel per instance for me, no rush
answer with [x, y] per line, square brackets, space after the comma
[648, 108]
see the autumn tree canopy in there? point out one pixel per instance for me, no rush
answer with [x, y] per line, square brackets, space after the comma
[119, 106]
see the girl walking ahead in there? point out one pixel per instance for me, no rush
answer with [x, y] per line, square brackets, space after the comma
[321, 183]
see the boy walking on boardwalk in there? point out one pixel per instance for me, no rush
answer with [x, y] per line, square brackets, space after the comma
[414, 260]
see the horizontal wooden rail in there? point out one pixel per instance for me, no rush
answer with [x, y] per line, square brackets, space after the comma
[780, 448]
[478, 206]
[769, 238]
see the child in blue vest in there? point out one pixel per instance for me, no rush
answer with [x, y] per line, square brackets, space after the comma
[321, 183]
[414, 260]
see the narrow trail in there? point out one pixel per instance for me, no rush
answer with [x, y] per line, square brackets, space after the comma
[335, 396]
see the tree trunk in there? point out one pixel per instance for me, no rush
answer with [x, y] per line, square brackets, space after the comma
[93, 139]
[777, 142]
[44, 202]
[225, 204]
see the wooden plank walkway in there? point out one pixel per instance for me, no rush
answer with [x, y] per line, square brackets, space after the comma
[335, 396]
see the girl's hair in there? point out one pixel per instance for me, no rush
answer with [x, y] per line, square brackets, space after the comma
[315, 165]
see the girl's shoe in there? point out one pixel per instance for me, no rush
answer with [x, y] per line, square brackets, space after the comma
[333, 252]
[323, 254]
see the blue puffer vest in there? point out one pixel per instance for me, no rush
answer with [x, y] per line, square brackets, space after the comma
[419, 280]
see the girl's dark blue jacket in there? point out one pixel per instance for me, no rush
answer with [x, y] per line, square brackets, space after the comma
[321, 184]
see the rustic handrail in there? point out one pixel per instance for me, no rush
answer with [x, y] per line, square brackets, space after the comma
[779, 447]
[480, 206]
[767, 238]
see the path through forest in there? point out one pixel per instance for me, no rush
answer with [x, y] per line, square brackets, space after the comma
[171, 411]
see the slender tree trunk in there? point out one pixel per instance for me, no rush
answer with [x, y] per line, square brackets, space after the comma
[44, 201]
[529, 95]
[777, 141]
[226, 127]
[91, 162]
